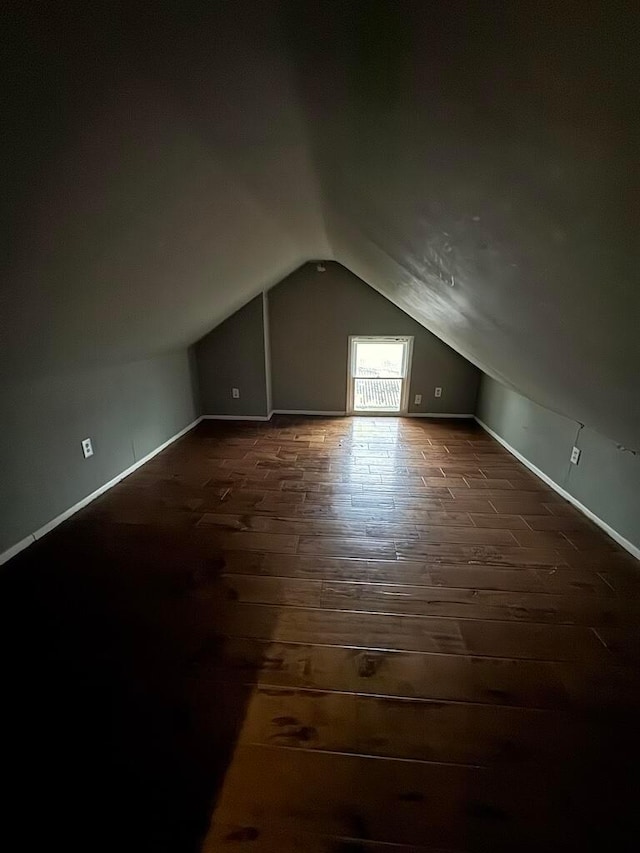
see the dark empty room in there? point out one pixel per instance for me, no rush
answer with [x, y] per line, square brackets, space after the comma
[320, 426]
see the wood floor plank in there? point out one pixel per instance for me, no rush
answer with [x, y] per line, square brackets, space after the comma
[284, 524]
[387, 800]
[298, 566]
[478, 554]
[477, 604]
[258, 589]
[366, 548]
[479, 576]
[504, 522]
[453, 519]
[346, 808]
[250, 541]
[464, 535]
[623, 583]
[361, 630]
[405, 728]
[325, 490]
[521, 505]
[498, 681]
[266, 839]
[489, 483]
[541, 539]
[470, 504]
[591, 541]
[279, 499]
[389, 529]
[250, 500]
[530, 640]
[572, 581]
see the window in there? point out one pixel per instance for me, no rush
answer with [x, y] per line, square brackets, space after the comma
[378, 375]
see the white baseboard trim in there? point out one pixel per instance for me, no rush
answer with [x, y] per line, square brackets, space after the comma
[50, 525]
[308, 412]
[342, 414]
[617, 537]
[15, 549]
[236, 417]
[437, 415]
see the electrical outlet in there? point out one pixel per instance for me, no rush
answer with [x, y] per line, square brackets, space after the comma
[87, 448]
[438, 392]
[417, 400]
[575, 455]
[235, 393]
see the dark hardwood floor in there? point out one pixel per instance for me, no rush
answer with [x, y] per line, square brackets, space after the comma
[323, 635]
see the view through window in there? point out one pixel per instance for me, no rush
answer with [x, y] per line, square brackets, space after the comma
[378, 369]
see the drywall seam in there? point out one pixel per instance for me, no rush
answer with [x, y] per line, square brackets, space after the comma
[617, 537]
[50, 525]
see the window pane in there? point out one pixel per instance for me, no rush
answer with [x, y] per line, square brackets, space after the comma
[378, 359]
[377, 395]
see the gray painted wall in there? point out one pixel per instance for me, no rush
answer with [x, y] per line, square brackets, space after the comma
[233, 356]
[607, 479]
[311, 316]
[127, 410]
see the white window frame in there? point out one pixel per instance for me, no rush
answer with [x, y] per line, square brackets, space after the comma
[406, 378]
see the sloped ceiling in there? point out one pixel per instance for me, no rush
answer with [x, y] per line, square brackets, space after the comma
[475, 162]
[158, 176]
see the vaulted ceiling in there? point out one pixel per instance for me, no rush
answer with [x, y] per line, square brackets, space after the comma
[475, 162]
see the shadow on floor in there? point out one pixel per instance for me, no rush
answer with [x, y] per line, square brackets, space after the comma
[110, 740]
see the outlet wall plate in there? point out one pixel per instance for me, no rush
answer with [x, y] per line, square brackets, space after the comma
[235, 393]
[87, 448]
[575, 455]
[417, 399]
[438, 392]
